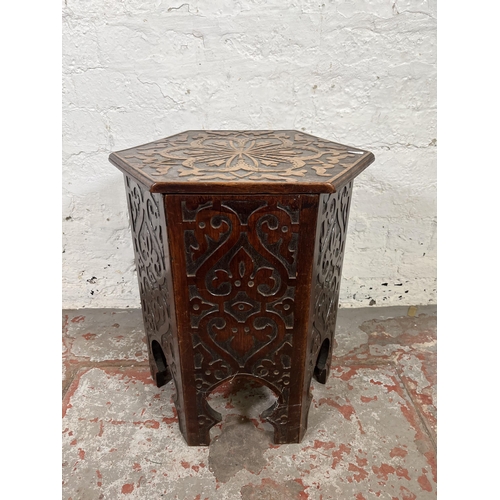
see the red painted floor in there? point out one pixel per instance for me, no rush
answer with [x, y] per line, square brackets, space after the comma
[371, 431]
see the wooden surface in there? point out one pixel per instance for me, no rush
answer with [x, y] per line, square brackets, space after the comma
[242, 286]
[224, 161]
[152, 261]
[237, 284]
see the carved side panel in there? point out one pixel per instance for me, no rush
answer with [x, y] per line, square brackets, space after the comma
[240, 277]
[333, 214]
[149, 233]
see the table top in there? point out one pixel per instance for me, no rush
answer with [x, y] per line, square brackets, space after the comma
[242, 161]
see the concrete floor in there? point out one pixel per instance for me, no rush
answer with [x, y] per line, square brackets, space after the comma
[371, 431]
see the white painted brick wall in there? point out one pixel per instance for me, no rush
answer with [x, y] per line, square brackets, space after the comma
[357, 72]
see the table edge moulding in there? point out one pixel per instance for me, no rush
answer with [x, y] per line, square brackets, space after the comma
[315, 154]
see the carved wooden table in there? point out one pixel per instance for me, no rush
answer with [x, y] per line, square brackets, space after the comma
[239, 240]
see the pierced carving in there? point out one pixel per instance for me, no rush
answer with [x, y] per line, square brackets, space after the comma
[330, 242]
[147, 220]
[148, 237]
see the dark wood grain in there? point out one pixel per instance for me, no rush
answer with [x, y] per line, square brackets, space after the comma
[329, 247]
[239, 265]
[152, 260]
[258, 161]
[242, 303]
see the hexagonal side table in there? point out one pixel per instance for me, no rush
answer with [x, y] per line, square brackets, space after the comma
[239, 240]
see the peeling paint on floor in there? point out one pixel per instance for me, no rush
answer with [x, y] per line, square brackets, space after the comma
[371, 429]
